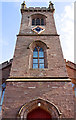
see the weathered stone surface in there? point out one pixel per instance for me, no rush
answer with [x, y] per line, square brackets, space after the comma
[19, 93]
[23, 92]
[22, 61]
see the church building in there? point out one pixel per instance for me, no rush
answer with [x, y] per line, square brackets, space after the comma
[39, 85]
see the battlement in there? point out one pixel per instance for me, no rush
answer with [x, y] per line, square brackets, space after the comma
[71, 65]
[37, 9]
[6, 64]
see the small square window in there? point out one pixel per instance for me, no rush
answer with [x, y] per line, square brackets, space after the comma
[35, 60]
[35, 54]
[41, 54]
[41, 60]
[35, 66]
[41, 65]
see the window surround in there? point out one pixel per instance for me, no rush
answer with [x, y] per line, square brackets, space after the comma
[31, 47]
[35, 16]
[38, 21]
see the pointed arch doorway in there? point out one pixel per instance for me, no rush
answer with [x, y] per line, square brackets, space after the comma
[39, 109]
[38, 113]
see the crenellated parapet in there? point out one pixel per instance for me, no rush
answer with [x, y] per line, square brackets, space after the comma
[37, 9]
[6, 64]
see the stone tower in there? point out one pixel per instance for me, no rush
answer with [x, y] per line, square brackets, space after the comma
[38, 86]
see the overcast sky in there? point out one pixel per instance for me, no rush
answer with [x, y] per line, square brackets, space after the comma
[11, 18]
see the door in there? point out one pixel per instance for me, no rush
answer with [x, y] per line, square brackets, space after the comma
[38, 113]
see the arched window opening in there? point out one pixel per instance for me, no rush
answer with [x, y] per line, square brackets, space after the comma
[37, 21]
[42, 21]
[33, 21]
[38, 58]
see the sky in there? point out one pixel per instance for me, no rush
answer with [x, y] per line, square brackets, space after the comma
[11, 18]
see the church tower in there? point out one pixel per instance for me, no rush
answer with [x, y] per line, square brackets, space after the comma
[38, 86]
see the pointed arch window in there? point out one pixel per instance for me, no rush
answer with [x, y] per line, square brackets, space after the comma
[42, 21]
[38, 58]
[37, 21]
[33, 21]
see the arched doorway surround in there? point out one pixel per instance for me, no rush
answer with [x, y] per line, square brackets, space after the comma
[44, 106]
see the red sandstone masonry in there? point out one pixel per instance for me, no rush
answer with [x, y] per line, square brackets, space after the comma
[59, 93]
[19, 93]
[22, 58]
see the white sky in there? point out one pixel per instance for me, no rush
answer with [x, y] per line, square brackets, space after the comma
[65, 27]
[37, 0]
[64, 20]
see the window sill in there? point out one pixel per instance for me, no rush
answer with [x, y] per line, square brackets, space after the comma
[38, 25]
[40, 69]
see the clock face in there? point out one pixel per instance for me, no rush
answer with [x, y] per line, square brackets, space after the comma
[38, 29]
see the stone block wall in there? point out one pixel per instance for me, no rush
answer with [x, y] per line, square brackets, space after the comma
[22, 61]
[26, 23]
[20, 93]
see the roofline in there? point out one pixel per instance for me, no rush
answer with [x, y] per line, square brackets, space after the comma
[7, 63]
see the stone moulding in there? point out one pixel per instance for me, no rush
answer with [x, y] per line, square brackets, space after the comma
[46, 105]
[34, 42]
[37, 9]
[37, 80]
[21, 34]
[38, 14]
